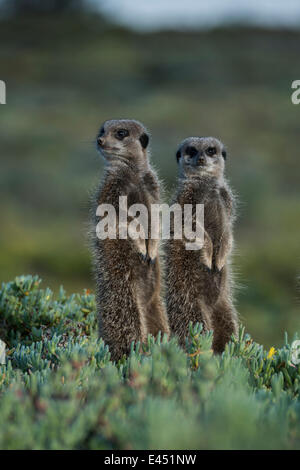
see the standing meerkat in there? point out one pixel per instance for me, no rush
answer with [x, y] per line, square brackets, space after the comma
[198, 282]
[127, 270]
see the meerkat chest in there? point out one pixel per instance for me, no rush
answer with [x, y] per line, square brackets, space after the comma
[139, 194]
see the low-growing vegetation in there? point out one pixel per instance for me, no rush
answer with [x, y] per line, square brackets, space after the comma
[60, 390]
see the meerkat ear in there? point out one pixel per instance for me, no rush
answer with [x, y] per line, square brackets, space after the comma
[144, 139]
[178, 155]
[224, 154]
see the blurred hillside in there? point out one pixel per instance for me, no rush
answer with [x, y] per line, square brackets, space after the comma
[65, 75]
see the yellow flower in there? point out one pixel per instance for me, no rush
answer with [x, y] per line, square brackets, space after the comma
[271, 353]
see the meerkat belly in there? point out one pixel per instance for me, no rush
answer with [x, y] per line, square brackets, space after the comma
[145, 273]
[146, 283]
[209, 283]
[189, 271]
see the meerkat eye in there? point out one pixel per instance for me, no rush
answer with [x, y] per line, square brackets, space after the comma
[211, 151]
[191, 151]
[122, 133]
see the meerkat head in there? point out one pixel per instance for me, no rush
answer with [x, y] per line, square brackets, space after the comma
[123, 140]
[197, 156]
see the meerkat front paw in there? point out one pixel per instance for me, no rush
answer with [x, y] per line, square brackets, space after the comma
[140, 246]
[146, 258]
[206, 259]
[220, 263]
[224, 250]
[151, 260]
[206, 254]
[143, 257]
[152, 250]
[221, 256]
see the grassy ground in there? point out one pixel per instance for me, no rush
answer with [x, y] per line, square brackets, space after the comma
[59, 389]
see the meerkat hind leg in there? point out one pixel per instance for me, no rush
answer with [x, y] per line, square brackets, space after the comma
[121, 322]
[201, 313]
[156, 318]
[225, 323]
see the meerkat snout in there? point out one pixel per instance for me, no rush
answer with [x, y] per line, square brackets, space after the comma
[201, 160]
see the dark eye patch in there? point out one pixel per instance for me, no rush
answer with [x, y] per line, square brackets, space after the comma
[101, 132]
[122, 133]
[144, 139]
[191, 151]
[211, 151]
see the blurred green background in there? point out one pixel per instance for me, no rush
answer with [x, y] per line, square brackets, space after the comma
[66, 73]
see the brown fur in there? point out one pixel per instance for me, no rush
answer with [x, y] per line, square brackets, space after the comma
[127, 271]
[198, 283]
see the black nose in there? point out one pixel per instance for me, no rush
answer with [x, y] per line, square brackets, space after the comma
[201, 160]
[100, 141]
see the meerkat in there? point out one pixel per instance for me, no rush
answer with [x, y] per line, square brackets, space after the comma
[127, 270]
[199, 282]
